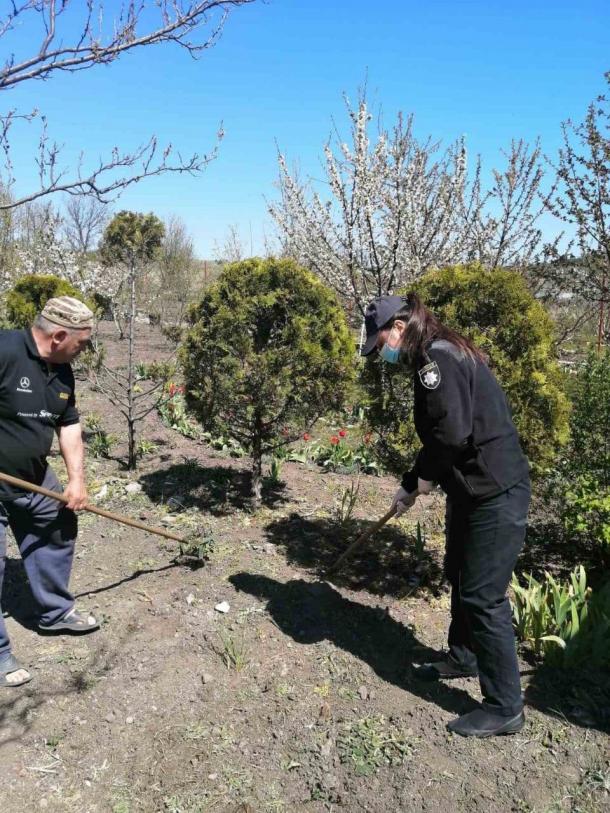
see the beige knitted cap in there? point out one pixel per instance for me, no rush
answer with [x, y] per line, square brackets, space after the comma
[68, 312]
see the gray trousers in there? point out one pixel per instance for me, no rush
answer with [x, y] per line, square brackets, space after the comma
[45, 531]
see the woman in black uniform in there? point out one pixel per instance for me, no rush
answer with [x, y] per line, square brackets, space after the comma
[471, 449]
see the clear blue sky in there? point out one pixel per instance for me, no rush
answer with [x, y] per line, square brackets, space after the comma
[487, 69]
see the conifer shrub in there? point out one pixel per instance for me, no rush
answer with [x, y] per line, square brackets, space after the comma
[268, 352]
[496, 310]
[29, 295]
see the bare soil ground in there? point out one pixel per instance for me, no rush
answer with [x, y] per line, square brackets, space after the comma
[302, 695]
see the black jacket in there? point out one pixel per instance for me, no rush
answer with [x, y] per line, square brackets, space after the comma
[36, 398]
[470, 444]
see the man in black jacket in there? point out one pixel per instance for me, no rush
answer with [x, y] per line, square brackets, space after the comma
[36, 402]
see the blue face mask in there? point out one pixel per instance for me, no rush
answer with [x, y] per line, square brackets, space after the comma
[390, 354]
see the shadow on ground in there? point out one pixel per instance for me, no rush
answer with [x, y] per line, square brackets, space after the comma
[20, 707]
[578, 696]
[18, 602]
[311, 612]
[387, 564]
[217, 490]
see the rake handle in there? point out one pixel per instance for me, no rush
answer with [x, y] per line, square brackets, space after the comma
[363, 538]
[133, 523]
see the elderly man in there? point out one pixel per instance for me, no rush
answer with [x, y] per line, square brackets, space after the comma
[36, 400]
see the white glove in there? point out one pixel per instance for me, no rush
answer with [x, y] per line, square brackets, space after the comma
[424, 486]
[403, 501]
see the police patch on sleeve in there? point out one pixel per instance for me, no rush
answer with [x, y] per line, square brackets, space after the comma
[430, 376]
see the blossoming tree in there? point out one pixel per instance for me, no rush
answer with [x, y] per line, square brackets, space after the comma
[397, 206]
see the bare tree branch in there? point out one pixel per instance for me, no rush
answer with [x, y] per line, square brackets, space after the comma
[581, 198]
[84, 221]
[102, 182]
[177, 22]
[195, 25]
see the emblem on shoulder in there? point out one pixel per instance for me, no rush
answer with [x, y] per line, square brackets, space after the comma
[430, 376]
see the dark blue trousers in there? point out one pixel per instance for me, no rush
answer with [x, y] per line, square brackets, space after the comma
[483, 542]
[45, 531]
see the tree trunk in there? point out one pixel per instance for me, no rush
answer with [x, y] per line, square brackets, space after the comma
[114, 309]
[257, 467]
[602, 302]
[132, 459]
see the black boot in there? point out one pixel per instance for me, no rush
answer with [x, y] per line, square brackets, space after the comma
[481, 723]
[443, 670]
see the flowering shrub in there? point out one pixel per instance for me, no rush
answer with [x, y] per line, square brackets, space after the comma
[338, 455]
[48, 255]
[172, 410]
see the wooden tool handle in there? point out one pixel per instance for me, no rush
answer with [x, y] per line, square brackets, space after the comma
[134, 523]
[363, 538]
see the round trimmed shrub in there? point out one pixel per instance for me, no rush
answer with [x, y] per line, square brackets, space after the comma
[496, 310]
[30, 294]
[268, 352]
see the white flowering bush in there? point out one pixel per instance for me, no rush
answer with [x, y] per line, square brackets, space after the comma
[46, 254]
[393, 207]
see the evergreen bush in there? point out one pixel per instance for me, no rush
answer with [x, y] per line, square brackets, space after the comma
[268, 352]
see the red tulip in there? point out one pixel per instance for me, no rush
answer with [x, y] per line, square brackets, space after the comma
[306, 436]
[334, 440]
[342, 433]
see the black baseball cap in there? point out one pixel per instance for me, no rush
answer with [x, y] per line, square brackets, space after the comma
[377, 314]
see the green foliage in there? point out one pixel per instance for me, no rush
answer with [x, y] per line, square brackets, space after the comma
[197, 548]
[580, 484]
[389, 414]
[31, 293]
[267, 353]
[275, 470]
[495, 310]
[372, 743]
[145, 447]
[99, 442]
[338, 455]
[132, 238]
[345, 504]
[172, 409]
[419, 544]
[586, 511]
[565, 622]
[234, 652]
[589, 451]
[156, 371]
[223, 443]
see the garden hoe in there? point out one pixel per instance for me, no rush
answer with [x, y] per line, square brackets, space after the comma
[361, 540]
[134, 523]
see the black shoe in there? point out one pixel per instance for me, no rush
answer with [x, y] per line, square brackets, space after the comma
[443, 670]
[481, 723]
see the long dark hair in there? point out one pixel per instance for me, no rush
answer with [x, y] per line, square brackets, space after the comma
[423, 327]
